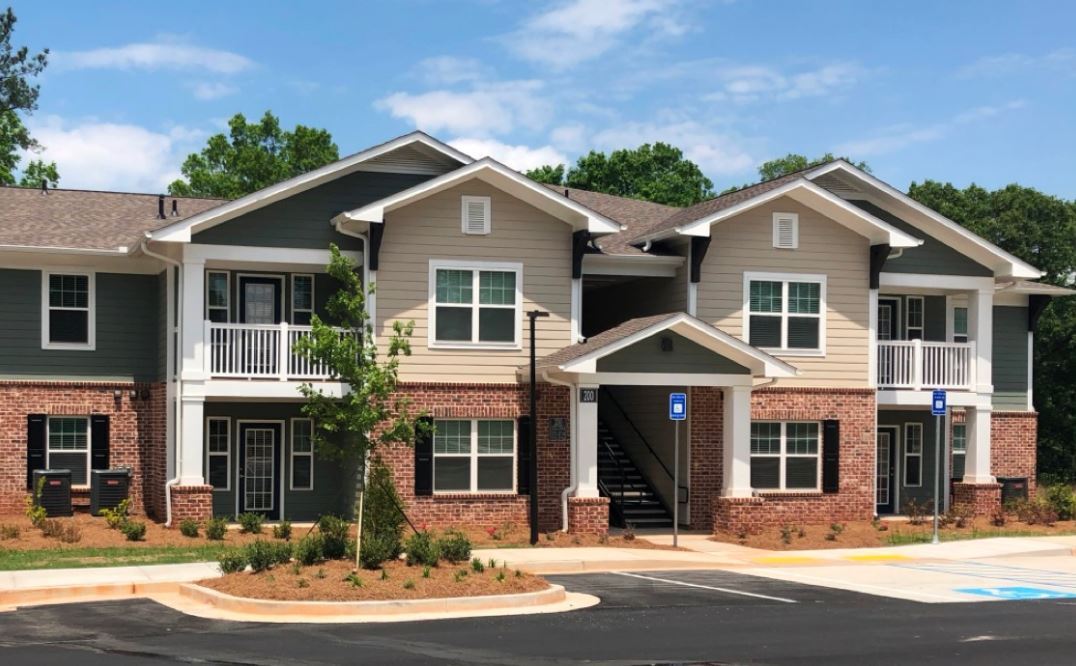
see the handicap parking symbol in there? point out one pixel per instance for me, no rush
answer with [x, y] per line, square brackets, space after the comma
[1016, 593]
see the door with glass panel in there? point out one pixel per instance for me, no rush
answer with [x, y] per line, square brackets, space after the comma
[259, 469]
[260, 303]
[886, 471]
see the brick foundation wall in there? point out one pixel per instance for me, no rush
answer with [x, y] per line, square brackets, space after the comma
[136, 433]
[588, 515]
[1013, 440]
[193, 502]
[980, 499]
[707, 415]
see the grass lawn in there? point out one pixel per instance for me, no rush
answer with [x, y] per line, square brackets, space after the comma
[110, 556]
[906, 538]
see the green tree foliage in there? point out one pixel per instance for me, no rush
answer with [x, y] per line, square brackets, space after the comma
[253, 156]
[17, 94]
[1040, 229]
[658, 173]
[37, 172]
[791, 163]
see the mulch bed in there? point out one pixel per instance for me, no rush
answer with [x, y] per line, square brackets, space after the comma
[514, 536]
[326, 582]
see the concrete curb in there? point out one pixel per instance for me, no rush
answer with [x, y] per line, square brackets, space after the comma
[585, 566]
[11, 599]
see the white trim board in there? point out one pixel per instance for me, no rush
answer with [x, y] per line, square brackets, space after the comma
[91, 311]
[475, 267]
[234, 255]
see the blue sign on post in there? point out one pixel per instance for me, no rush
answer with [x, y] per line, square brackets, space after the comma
[677, 406]
[938, 403]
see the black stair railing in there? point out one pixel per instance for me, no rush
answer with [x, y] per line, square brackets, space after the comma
[683, 490]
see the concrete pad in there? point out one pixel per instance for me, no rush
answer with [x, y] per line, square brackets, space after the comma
[62, 578]
[593, 559]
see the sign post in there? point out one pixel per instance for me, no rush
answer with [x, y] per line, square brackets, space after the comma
[937, 409]
[677, 413]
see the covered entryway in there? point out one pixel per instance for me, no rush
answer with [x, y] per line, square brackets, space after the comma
[259, 468]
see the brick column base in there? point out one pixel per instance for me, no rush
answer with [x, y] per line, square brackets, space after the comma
[739, 514]
[194, 502]
[981, 499]
[588, 515]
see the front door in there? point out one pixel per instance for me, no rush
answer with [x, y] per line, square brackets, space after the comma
[259, 300]
[885, 483]
[888, 319]
[259, 469]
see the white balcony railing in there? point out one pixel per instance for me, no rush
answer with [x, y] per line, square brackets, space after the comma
[915, 364]
[255, 351]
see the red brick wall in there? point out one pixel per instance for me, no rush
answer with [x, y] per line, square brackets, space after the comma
[1013, 439]
[136, 428]
[588, 515]
[980, 499]
[194, 502]
[707, 415]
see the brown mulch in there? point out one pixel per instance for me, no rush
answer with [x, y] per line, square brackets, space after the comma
[864, 534]
[514, 536]
[325, 582]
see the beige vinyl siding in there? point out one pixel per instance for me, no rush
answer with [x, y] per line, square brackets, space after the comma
[745, 244]
[431, 229]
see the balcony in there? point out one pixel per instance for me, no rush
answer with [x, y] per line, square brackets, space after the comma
[917, 364]
[259, 351]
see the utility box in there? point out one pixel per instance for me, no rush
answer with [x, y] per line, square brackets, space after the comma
[108, 487]
[55, 491]
[1013, 488]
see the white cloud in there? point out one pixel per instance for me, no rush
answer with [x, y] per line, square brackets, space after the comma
[569, 137]
[210, 90]
[486, 109]
[162, 54]
[448, 70]
[110, 156]
[575, 31]
[743, 84]
[1011, 63]
[518, 157]
[715, 153]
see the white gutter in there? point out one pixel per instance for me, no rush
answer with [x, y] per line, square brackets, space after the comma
[573, 480]
[176, 431]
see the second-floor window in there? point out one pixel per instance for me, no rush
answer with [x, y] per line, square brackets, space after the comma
[302, 299]
[68, 312]
[785, 313]
[960, 324]
[475, 304]
[216, 296]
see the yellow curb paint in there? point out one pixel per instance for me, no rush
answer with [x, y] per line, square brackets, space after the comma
[880, 557]
[787, 559]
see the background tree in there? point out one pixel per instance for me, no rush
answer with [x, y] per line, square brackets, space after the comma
[36, 173]
[658, 173]
[253, 156]
[17, 94]
[790, 163]
[369, 416]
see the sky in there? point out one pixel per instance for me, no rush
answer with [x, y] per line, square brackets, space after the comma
[963, 92]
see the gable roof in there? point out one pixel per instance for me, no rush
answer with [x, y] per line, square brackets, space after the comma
[420, 141]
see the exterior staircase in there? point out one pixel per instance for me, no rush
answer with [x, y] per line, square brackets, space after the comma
[632, 499]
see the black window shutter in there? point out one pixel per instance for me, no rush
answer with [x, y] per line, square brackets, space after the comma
[99, 440]
[35, 446]
[523, 455]
[831, 456]
[424, 457]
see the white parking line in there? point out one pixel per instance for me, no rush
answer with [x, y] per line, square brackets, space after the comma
[705, 587]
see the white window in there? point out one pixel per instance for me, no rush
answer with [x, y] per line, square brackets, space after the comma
[475, 304]
[785, 313]
[218, 453]
[69, 447]
[960, 449]
[960, 324]
[217, 291]
[68, 317]
[302, 454]
[302, 299]
[784, 456]
[913, 454]
[474, 455]
[786, 230]
[475, 215]
[915, 317]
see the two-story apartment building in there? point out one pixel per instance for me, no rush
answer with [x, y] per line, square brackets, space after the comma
[806, 317]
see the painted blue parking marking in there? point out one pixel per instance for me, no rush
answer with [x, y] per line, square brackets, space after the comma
[1016, 593]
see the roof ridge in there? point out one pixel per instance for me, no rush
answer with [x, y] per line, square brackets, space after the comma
[36, 188]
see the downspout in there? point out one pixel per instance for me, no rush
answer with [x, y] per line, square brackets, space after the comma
[572, 475]
[177, 376]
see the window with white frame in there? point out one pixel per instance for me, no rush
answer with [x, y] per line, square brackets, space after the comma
[475, 214]
[302, 299]
[785, 455]
[302, 454]
[216, 296]
[475, 304]
[960, 324]
[960, 449]
[218, 453]
[915, 317]
[913, 454]
[786, 231]
[785, 313]
[68, 318]
[474, 455]
[68, 447]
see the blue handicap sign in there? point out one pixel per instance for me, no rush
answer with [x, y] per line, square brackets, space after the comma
[1016, 593]
[678, 406]
[937, 403]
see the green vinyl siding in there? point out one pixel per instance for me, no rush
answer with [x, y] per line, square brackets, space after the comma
[127, 337]
[933, 257]
[686, 357]
[1010, 358]
[302, 220]
[162, 324]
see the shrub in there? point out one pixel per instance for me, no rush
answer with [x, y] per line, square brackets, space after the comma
[377, 548]
[70, 533]
[34, 511]
[629, 532]
[786, 534]
[189, 528]
[215, 529]
[916, 510]
[282, 530]
[426, 571]
[477, 566]
[118, 515]
[382, 522]
[384, 574]
[959, 515]
[998, 517]
[354, 579]
[1062, 499]
[232, 560]
[455, 547]
[421, 548]
[302, 582]
[9, 532]
[309, 549]
[409, 584]
[251, 523]
[334, 536]
[262, 555]
[51, 527]
[134, 530]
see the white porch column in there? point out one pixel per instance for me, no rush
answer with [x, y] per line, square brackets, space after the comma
[872, 333]
[981, 332]
[587, 444]
[977, 459]
[737, 442]
[577, 310]
[192, 310]
[191, 452]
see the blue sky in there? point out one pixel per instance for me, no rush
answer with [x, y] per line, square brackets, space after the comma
[967, 92]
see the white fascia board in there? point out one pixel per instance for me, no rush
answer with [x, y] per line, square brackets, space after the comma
[897, 398]
[499, 176]
[181, 231]
[1011, 264]
[252, 390]
[272, 255]
[636, 265]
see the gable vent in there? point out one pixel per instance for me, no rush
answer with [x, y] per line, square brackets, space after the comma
[476, 215]
[786, 231]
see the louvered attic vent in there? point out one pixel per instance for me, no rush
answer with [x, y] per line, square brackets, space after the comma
[786, 231]
[476, 216]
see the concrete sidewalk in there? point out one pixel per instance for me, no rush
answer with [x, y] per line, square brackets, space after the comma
[140, 575]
